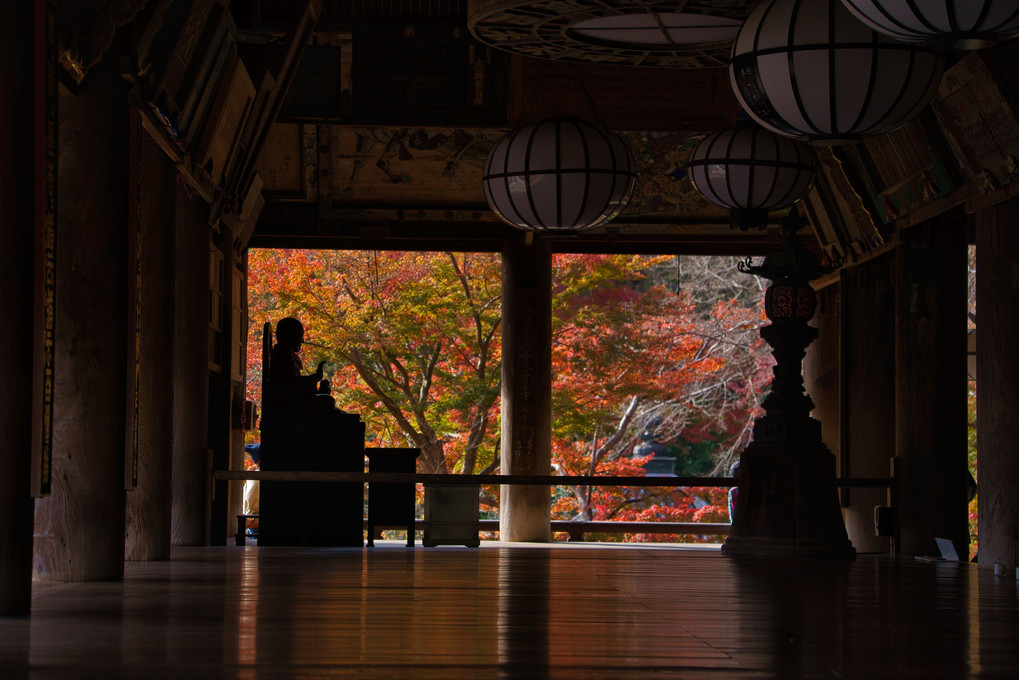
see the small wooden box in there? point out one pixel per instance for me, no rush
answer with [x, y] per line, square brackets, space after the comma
[451, 515]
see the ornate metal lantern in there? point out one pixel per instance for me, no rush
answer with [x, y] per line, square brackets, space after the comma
[751, 171]
[809, 69]
[790, 267]
[559, 175]
[790, 300]
[787, 502]
[962, 24]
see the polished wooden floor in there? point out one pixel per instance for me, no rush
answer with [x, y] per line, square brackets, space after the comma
[518, 611]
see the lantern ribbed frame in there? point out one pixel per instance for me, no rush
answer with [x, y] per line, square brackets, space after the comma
[962, 24]
[748, 168]
[559, 175]
[809, 69]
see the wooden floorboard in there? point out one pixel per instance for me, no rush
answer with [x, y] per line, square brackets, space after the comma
[518, 611]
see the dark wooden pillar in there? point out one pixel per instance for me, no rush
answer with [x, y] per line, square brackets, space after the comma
[80, 526]
[868, 388]
[191, 483]
[930, 386]
[148, 505]
[821, 373]
[17, 229]
[849, 372]
[525, 511]
[998, 385]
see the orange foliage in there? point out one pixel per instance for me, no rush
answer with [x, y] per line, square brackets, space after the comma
[412, 344]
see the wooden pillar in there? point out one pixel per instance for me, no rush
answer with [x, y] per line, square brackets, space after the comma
[821, 374]
[191, 483]
[148, 505]
[849, 372]
[17, 176]
[525, 511]
[80, 526]
[930, 386]
[998, 385]
[868, 389]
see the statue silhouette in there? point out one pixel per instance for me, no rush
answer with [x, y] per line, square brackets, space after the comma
[293, 392]
[302, 430]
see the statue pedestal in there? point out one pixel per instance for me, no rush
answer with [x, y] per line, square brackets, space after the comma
[312, 513]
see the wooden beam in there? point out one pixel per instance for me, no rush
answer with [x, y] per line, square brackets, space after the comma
[299, 38]
[475, 229]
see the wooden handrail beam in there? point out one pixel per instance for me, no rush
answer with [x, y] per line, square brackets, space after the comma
[469, 480]
[476, 480]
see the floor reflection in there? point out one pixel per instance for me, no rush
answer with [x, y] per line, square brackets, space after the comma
[502, 612]
[524, 605]
[850, 616]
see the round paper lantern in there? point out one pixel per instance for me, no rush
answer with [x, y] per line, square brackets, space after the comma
[809, 69]
[558, 175]
[962, 24]
[751, 171]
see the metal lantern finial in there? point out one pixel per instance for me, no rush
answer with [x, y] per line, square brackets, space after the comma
[959, 24]
[809, 69]
[751, 171]
[559, 175]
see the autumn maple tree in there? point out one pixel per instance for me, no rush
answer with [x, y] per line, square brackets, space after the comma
[644, 348]
[645, 351]
[411, 340]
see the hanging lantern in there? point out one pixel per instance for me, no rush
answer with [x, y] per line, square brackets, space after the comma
[558, 175]
[808, 69]
[962, 24]
[751, 171]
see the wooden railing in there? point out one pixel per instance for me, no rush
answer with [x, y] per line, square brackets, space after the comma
[470, 480]
[574, 528]
[533, 480]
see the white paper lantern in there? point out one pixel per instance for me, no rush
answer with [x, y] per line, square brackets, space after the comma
[558, 175]
[809, 69]
[962, 24]
[751, 171]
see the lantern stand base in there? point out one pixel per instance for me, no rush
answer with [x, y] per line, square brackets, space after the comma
[787, 503]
